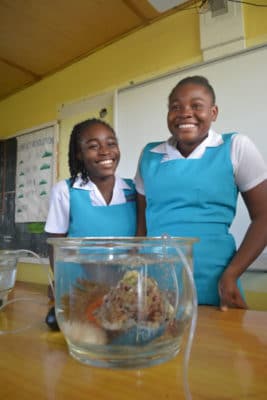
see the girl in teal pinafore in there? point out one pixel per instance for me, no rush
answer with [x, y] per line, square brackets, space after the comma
[93, 201]
[187, 187]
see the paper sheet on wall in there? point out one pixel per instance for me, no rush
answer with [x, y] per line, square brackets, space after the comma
[34, 175]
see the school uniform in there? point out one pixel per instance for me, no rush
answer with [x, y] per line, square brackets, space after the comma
[81, 210]
[196, 197]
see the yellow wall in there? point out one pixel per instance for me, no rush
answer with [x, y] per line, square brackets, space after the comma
[161, 47]
[32, 273]
[255, 20]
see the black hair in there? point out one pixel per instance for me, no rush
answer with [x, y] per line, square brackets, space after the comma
[198, 80]
[76, 166]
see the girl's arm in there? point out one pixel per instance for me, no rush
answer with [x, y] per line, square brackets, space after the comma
[251, 247]
[141, 215]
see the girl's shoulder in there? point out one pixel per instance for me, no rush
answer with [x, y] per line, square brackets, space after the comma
[129, 182]
[238, 140]
[151, 145]
[130, 191]
[61, 185]
[60, 190]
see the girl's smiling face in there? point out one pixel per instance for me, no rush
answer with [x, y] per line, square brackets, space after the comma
[99, 151]
[191, 113]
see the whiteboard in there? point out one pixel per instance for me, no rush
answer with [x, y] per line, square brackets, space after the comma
[240, 84]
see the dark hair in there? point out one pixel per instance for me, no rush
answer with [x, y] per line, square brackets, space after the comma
[76, 166]
[198, 80]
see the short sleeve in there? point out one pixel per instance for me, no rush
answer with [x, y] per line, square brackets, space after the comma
[59, 209]
[249, 166]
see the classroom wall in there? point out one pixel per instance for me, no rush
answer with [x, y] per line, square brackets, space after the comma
[151, 50]
[161, 47]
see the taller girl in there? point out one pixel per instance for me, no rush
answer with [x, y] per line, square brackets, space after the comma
[188, 186]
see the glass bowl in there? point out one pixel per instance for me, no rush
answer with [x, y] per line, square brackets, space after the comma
[123, 302]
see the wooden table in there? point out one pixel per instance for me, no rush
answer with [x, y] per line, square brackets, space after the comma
[228, 361]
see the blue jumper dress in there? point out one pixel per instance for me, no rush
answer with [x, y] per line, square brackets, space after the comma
[194, 198]
[114, 220]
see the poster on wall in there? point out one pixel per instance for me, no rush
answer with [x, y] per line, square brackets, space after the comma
[34, 175]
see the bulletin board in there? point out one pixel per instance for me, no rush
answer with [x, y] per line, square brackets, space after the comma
[240, 84]
[34, 175]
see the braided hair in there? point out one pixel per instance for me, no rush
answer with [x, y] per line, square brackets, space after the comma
[198, 80]
[77, 166]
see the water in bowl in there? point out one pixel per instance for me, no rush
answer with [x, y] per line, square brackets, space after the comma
[122, 308]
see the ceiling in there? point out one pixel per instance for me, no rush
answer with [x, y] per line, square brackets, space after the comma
[40, 37]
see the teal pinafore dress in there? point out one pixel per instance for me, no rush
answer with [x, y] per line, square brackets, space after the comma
[114, 220]
[194, 198]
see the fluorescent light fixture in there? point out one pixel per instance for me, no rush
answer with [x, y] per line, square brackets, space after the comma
[164, 5]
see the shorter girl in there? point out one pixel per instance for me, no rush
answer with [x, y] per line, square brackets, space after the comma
[93, 201]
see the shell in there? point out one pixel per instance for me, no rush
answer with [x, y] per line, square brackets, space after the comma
[84, 333]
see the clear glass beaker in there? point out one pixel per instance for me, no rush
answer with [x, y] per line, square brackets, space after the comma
[9, 321]
[8, 271]
[124, 302]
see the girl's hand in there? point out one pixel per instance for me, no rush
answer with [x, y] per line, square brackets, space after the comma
[229, 293]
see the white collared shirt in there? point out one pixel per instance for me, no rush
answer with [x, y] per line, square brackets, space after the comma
[59, 204]
[248, 164]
